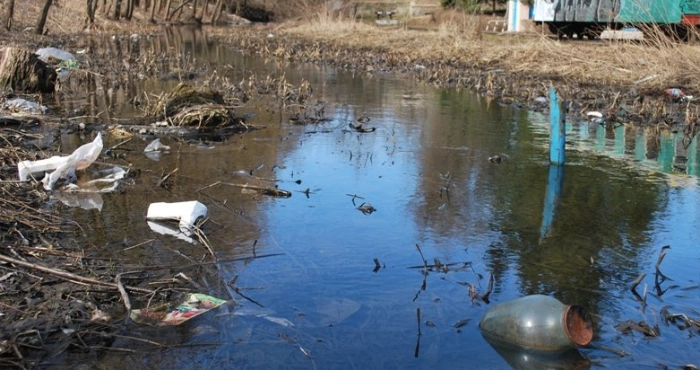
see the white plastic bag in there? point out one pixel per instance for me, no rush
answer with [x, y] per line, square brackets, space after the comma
[83, 157]
[156, 146]
[80, 159]
[47, 53]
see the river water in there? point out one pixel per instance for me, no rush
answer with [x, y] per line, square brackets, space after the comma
[301, 270]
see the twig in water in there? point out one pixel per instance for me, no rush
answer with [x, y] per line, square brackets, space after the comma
[138, 245]
[208, 186]
[163, 182]
[662, 254]
[125, 297]
[354, 196]
[238, 291]
[203, 238]
[377, 265]
[489, 288]
[417, 351]
[636, 282]
[425, 263]
[120, 144]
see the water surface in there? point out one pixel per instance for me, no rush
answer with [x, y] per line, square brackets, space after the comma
[313, 298]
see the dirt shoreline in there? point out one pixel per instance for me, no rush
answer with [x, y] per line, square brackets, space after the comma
[644, 102]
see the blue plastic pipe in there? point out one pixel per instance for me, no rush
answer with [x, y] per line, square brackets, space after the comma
[557, 126]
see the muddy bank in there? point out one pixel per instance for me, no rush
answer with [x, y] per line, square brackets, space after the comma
[620, 99]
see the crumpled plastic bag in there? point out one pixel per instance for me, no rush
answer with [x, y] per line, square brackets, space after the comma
[46, 54]
[24, 105]
[156, 146]
[80, 159]
[194, 305]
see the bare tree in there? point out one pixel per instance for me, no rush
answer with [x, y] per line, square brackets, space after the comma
[42, 17]
[91, 9]
[167, 9]
[217, 11]
[154, 4]
[9, 12]
[129, 10]
[117, 9]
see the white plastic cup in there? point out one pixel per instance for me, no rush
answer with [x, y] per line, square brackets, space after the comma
[186, 213]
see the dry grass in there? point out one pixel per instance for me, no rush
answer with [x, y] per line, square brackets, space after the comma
[452, 36]
[585, 63]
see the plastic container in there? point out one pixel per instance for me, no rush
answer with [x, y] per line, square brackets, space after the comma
[186, 213]
[540, 323]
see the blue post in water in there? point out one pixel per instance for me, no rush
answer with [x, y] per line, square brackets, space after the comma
[551, 198]
[556, 123]
[556, 160]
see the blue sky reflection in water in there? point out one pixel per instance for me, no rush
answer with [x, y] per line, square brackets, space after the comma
[427, 172]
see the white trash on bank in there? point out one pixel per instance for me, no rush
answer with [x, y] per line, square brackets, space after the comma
[46, 54]
[36, 168]
[24, 105]
[187, 213]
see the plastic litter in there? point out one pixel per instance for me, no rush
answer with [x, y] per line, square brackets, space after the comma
[46, 54]
[24, 105]
[36, 168]
[83, 157]
[64, 171]
[187, 213]
[194, 305]
[80, 159]
[594, 114]
[674, 92]
[156, 146]
[538, 322]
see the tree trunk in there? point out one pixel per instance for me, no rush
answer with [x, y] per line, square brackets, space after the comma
[117, 9]
[22, 70]
[129, 9]
[217, 11]
[194, 9]
[9, 12]
[42, 17]
[91, 9]
[205, 10]
[167, 9]
[154, 4]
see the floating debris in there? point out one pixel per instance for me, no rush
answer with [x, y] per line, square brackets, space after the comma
[366, 208]
[194, 305]
[156, 146]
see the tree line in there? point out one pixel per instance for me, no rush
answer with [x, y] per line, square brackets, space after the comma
[163, 10]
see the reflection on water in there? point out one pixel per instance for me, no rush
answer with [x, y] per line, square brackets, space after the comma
[522, 359]
[307, 260]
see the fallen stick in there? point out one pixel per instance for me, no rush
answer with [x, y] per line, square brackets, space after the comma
[69, 276]
[265, 191]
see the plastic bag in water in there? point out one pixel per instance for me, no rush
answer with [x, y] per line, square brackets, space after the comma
[83, 157]
[80, 159]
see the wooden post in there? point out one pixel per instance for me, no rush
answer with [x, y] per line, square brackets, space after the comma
[557, 138]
